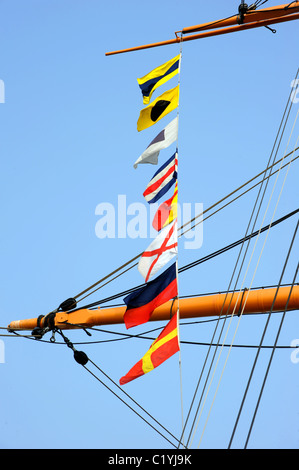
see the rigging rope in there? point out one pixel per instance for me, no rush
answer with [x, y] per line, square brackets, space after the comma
[83, 359]
[237, 197]
[235, 244]
[198, 261]
[149, 338]
[187, 223]
[217, 388]
[270, 360]
[177, 254]
[181, 234]
[281, 127]
[246, 238]
[263, 335]
[180, 228]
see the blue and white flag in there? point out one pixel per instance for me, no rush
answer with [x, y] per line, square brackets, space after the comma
[162, 180]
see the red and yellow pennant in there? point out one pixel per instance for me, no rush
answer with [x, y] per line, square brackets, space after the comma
[161, 349]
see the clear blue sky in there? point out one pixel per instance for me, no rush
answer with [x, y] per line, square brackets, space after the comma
[68, 144]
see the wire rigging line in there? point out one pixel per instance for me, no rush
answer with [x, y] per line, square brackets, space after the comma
[193, 295]
[251, 282]
[108, 388]
[177, 259]
[252, 278]
[281, 128]
[83, 359]
[214, 23]
[263, 336]
[260, 2]
[238, 242]
[271, 358]
[134, 401]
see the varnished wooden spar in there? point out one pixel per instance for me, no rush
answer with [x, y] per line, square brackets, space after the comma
[253, 301]
[251, 16]
[251, 19]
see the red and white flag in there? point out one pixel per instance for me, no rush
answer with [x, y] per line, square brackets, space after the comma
[162, 180]
[159, 252]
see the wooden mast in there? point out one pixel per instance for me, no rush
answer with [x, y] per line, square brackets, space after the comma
[250, 19]
[253, 301]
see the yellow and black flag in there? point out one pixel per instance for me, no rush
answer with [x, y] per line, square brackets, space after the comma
[157, 77]
[155, 111]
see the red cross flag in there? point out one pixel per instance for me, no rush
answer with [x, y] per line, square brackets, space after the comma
[159, 252]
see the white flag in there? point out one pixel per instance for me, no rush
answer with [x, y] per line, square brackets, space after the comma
[165, 138]
[159, 252]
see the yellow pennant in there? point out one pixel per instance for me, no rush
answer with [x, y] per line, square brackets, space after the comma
[157, 77]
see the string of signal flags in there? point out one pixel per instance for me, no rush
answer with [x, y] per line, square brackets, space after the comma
[141, 303]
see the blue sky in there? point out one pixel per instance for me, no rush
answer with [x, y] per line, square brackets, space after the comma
[68, 144]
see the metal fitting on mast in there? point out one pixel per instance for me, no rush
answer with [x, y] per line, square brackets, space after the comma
[243, 8]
